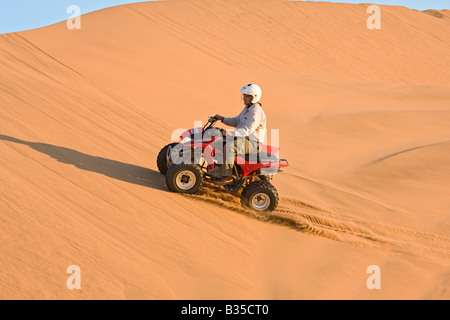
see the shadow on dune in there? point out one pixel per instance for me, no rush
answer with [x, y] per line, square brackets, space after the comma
[114, 169]
[405, 151]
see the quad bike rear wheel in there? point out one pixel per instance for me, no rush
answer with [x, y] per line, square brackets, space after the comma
[260, 196]
[184, 178]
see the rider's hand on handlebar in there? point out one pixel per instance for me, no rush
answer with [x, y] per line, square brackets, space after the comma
[218, 117]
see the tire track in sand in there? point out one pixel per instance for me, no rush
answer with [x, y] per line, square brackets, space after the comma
[311, 219]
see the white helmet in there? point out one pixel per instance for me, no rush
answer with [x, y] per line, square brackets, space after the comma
[253, 90]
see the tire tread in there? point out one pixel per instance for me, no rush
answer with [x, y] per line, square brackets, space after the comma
[256, 186]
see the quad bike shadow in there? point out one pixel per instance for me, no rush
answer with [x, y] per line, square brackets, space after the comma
[192, 161]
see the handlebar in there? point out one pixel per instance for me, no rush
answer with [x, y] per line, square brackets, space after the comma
[211, 121]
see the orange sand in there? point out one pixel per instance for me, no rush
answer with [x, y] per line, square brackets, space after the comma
[364, 118]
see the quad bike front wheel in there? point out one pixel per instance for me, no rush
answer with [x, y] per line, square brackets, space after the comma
[164, 159]
[260, 196]
[184, 178]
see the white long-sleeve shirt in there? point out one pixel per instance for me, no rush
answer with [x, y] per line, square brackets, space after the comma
[251, 122]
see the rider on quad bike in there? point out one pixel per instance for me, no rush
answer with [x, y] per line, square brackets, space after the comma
[201, 156]
[250, 124]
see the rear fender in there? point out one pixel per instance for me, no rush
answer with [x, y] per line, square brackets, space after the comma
[271, 167]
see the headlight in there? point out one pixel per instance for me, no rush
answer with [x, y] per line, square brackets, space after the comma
[186, 139]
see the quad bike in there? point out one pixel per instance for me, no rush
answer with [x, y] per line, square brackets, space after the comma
[187, 174]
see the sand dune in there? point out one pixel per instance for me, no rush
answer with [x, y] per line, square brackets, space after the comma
[441, 14]
[363, 118]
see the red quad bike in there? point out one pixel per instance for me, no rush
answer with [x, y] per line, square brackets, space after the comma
[186, 174]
